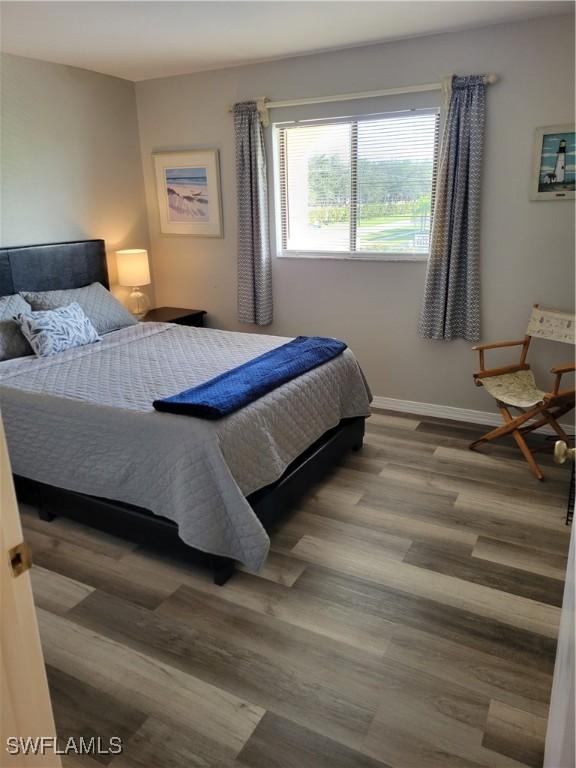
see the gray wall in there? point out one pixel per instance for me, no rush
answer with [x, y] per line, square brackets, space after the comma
[527, 247]
[71, 165]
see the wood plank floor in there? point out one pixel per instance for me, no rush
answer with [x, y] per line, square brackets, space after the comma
[407, 617]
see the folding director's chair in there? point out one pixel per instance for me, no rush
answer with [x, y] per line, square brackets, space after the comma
[513, 386]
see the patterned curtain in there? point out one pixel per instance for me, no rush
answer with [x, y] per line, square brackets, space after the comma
[254, 263]
[451, 308]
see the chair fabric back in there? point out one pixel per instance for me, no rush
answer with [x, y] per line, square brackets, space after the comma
[552, 324]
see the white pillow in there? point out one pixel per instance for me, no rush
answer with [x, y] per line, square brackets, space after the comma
[55, 330]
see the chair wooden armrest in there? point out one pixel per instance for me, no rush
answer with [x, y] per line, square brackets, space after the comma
[560, 394]
[499, 344]
[560, 369]
[521, 366]
[485, 373]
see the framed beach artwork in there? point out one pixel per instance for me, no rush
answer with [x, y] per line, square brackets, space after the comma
[554, 163]
[188, 187]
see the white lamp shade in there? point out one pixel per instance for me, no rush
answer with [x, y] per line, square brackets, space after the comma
[133, 269]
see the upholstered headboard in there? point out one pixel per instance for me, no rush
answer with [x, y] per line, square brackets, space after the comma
[53, 266]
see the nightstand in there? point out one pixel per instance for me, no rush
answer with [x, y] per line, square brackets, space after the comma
[176, 315]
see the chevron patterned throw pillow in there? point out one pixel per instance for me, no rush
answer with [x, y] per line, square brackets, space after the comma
[51, 331]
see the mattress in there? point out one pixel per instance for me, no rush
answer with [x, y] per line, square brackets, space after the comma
[83, 420]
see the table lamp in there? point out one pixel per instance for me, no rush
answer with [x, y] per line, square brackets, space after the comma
[134, 272]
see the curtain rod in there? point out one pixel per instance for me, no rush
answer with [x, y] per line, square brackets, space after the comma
[264, 104]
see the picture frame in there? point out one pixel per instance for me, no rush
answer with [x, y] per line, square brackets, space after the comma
[553, 163]
[189, 195]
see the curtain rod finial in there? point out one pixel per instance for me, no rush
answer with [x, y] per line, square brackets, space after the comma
[262, 107]
[491, 79]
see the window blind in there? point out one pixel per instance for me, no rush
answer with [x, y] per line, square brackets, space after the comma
[362, 185]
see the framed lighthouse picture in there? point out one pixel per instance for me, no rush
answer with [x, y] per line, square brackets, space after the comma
[554, 166]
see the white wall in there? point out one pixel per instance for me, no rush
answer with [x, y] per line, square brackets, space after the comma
[527, 247]
[71, 165]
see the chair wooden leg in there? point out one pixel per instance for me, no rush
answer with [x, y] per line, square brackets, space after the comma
[510, 423]
[557, 428]
[532, 427]
[536, 471]
[512, 426]
[505, 429]
[492, 435]
[521, 443]
[483, 439]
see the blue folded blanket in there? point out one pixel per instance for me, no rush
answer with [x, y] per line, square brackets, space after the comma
[240, 386]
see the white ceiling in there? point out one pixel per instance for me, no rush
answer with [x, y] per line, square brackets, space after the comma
[141, 40]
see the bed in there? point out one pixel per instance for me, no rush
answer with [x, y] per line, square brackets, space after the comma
[85, 441]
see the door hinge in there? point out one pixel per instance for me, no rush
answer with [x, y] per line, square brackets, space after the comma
[20, 558]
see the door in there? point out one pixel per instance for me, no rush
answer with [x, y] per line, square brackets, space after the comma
[25, 708]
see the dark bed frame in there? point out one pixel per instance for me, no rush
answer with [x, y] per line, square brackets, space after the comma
[76, 264]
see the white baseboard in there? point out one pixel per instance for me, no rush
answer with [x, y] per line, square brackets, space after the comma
[449, 412]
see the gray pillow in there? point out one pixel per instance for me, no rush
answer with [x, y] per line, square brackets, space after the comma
[102, 309]
[12, 342]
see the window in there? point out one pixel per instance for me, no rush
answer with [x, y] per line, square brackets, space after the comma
[357, 187]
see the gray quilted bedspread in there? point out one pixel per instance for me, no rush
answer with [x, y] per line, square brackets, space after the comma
[83, 420]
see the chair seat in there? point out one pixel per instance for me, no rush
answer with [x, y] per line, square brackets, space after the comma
[517, 389]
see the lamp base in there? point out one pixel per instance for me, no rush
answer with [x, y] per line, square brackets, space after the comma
[138, 303]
